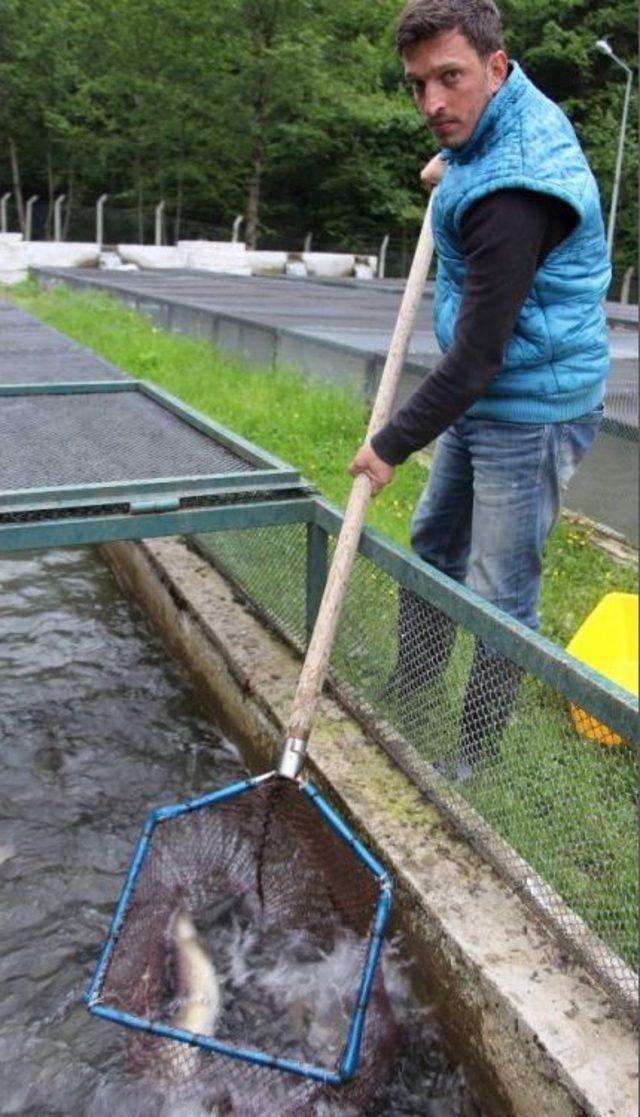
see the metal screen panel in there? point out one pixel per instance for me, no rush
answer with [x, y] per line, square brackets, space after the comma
[57, 440]
[506, 755]
[12, 315]
[280, 593]
[54, 367]
[30, 339]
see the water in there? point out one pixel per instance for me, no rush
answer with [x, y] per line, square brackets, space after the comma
[97, 724]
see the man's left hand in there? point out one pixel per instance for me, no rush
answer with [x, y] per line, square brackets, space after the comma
[378, 472]
[432, 172]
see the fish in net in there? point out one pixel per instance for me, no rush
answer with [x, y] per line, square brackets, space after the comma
[250, 923]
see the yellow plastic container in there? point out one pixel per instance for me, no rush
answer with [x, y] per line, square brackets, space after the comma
[608, 643]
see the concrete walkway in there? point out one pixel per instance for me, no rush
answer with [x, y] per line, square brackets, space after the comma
[338, 330]
[355, 313]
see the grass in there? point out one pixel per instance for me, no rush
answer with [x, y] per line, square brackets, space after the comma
[566, 805]
[315, 428]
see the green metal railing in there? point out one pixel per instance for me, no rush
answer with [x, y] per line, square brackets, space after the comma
[60, 441]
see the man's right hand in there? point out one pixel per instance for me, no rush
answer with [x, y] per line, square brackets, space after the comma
[378, 472]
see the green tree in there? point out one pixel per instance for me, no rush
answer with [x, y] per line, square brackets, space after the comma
[293, 112]
[555, 41]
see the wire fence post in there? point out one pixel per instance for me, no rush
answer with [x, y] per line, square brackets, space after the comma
[159, 225]
[626, 284]
[3, 211]
[28, 224]
[100, 219]
[382, 256]
[316, 572]
[57, 217]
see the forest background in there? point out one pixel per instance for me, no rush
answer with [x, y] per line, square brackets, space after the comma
[293, 113]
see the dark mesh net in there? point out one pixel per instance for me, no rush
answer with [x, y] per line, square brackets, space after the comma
[250, 922]
[122, 436]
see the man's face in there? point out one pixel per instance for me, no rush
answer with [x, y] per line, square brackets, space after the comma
[452, 84]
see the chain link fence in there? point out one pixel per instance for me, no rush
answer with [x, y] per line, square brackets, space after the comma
[125, 223]
[530, 754]
[128, 222]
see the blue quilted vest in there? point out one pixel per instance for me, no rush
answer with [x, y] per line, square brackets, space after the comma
[556, 359]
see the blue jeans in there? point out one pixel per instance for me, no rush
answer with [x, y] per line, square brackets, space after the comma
[492, 497]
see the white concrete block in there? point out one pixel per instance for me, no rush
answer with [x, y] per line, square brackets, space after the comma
[13, 254]
[267, 263]
[233, 247]
[8, 278]
[329, 264]
[10, 238]
[14, 263]
[62, 254]
[229, 257]
[153, 255]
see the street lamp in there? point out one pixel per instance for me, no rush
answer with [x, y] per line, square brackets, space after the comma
[603, 46]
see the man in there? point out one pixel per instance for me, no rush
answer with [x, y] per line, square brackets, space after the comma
[517, 397]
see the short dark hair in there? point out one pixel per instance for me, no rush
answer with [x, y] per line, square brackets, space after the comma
[478, 20]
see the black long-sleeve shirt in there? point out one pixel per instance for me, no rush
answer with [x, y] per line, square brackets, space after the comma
[505, 237]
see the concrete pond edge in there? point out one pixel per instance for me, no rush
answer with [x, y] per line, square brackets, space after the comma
[535, 1036]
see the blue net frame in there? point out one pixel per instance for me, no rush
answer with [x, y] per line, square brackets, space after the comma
[343, 875]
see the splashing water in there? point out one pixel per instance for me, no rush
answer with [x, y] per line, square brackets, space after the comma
[287, 988]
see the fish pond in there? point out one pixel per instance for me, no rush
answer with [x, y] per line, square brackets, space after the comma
[98, 724]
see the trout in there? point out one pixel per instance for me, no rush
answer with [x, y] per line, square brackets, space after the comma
[198, 991]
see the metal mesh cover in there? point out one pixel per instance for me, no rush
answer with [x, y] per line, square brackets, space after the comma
[285, 910]
[12, 315]
[55, 367]
[622, 399]
[53, 440]
[35, 338]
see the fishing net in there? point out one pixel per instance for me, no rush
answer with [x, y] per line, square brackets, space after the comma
[246, 939]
